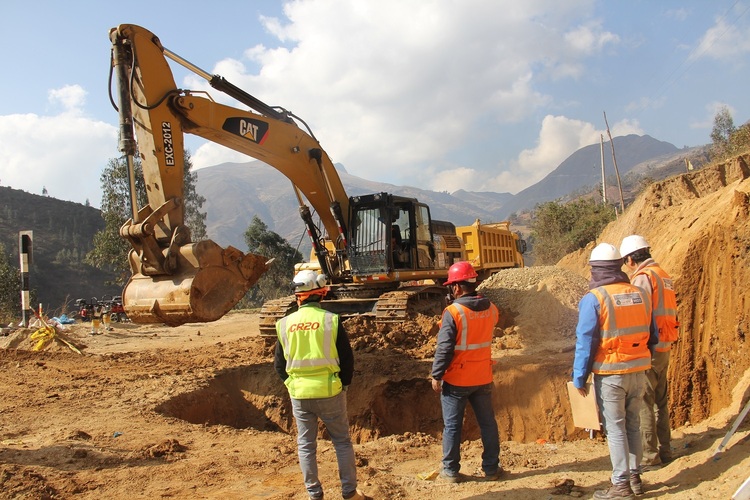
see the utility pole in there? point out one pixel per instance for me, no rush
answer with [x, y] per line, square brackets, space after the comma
[614, 160]
[604, 182]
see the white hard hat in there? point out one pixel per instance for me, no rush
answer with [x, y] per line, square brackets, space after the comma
[632, 243]
[605, 251]
[308, 280]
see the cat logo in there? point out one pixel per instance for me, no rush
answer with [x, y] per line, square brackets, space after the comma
[247, 128]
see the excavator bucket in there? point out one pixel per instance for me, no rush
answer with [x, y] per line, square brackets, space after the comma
[207, 283]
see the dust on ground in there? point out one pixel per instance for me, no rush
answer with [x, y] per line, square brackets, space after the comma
[197, 411]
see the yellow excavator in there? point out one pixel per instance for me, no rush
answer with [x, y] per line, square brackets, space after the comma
[383, 254]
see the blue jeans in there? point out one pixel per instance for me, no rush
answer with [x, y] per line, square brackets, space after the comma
[620, 398]
[453, 399]
[332, 411]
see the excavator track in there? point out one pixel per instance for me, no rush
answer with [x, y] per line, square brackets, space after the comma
[389, 308]
[272, 311]
[404, 303]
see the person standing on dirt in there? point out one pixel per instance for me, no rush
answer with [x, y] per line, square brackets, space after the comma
[614, 338]
[314, 359]
[652, 279]
[462, 371]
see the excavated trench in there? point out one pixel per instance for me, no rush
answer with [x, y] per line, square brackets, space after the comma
[253, 397]
[388, 397]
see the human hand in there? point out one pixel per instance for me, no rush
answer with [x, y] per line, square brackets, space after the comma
[583, 392]
[437, 386]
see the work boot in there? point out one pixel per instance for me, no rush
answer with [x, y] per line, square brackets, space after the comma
[449, 478]
[493, 477]
[621, 490]
[636, 484]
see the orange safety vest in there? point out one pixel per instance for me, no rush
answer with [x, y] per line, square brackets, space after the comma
[664, 303]
[472, 356]
[624, 319]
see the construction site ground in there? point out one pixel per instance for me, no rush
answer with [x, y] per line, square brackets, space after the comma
[197, 411]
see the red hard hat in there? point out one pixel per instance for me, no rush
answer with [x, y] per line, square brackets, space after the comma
[461, 271]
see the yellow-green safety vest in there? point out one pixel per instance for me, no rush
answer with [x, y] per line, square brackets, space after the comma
[308, 338]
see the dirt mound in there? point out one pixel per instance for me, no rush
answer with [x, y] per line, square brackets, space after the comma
[414, 338]
[539, 306]
[698, 227]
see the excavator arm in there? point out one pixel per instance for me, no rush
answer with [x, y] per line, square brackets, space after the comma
[152, 108]
[174, 280]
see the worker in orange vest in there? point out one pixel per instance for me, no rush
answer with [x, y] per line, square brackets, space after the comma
[614, 338]
[652, 279]
[462, 371]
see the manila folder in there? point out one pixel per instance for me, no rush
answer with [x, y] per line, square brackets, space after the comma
[585, 412]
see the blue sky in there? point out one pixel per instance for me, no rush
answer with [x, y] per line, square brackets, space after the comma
[483, 95]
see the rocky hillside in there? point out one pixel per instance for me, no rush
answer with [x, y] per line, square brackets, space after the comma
[699, 227]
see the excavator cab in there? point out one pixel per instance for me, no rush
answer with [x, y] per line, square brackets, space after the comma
[389, 233]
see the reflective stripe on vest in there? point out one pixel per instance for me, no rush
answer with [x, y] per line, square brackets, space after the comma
[472, 356]
[308, 338]
[664, 302]
[624, 319]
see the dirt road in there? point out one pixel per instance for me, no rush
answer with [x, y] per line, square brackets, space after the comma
[198, 412]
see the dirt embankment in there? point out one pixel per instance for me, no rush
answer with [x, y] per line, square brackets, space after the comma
[698, 225]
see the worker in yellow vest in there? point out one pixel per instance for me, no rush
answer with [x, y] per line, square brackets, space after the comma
[614, 338]
[314, 358]
[462, 371]
[652, 279]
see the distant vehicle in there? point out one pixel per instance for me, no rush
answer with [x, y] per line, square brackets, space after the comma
[112, 305]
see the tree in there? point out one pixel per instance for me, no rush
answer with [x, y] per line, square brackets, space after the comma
[274, 283]
[10, 289]
[110, 250]
[558, 229]
[721, 133]
[723, 126]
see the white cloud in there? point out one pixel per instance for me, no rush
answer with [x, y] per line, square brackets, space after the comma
[393, 85]
[70, 97]
[559, 137]
[711, 108]
[645, 103]
[65, 153]
[680, 14]
[723, 41]
[210, 154]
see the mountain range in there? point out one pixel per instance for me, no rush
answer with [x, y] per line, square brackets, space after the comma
[235, 192]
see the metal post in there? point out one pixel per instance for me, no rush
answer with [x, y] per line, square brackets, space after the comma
[24, 247]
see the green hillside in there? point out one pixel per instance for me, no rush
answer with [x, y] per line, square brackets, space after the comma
[63, 234]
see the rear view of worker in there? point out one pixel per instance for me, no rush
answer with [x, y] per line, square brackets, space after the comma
[614, 336]
[314, 359]
[650, 277]
[462, 371]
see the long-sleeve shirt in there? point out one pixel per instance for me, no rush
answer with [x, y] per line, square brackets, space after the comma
[346, 358]
[588, 338]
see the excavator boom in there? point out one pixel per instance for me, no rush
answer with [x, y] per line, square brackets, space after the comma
[174, 280]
